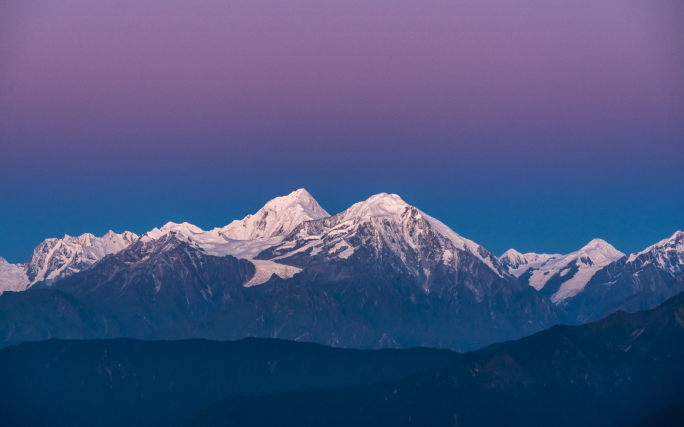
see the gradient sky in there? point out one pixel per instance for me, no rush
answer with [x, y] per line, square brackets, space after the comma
[537, 125]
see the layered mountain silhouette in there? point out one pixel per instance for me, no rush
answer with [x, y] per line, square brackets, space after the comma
[124, 382]
[622, 370]
[607, 373]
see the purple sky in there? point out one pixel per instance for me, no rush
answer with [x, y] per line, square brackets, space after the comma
[532, 124]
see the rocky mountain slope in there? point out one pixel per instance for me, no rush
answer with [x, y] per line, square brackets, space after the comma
[55, 259]
[636, 282]
[598, 280]
[561, 276]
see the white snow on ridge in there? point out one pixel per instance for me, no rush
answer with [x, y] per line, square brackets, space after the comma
[57, 258]
[253, 234]
[376, 206]
[384, 204]
[393, 227]
[277, 218]
[590, 259]
[12, 277]
[460, 242]
[215, 243]
[668, 254]
[669, 243]
[518, 263]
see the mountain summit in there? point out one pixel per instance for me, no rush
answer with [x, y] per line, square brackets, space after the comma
[639, 281]
[388, 230]
[277, 218]
[562, 276]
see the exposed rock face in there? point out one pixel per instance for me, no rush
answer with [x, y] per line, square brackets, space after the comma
[155, 283]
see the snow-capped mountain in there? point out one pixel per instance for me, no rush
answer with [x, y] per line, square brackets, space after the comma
[561, 277]
[668, 255]
[380, 274]
[386, 228]
[518, 263]
[277, 218]
[597, 280]
[248, 237]
[169, 272]
[56, 259]
[639, 281]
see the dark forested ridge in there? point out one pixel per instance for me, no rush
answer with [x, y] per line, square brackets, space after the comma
[123, 382]
[607, 373]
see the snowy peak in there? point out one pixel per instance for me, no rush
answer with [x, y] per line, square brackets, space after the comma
[513, 259]
[561, 277]
[512, 255]
[248, 237]
[381, 225]
[379, 205]
[668, 254]
[518, 263]
[600, 252]
[184, 229]
[674, 243]
[277, 218]
[54, 259]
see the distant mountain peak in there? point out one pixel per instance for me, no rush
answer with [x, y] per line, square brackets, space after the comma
[596, 244]
[600, 252]
[54, 258]
[563, 276]
[518, 263]
[675, 241]
[511, 253]
[381, 225]
[668, 254]
[379, 205]
[278, 217]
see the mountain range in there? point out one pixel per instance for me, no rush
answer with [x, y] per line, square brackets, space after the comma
[379, 274]
[598, 280]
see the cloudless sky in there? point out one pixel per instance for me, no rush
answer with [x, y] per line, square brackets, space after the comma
[537, 125]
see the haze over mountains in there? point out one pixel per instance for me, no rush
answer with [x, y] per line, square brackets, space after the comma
[379, 274]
